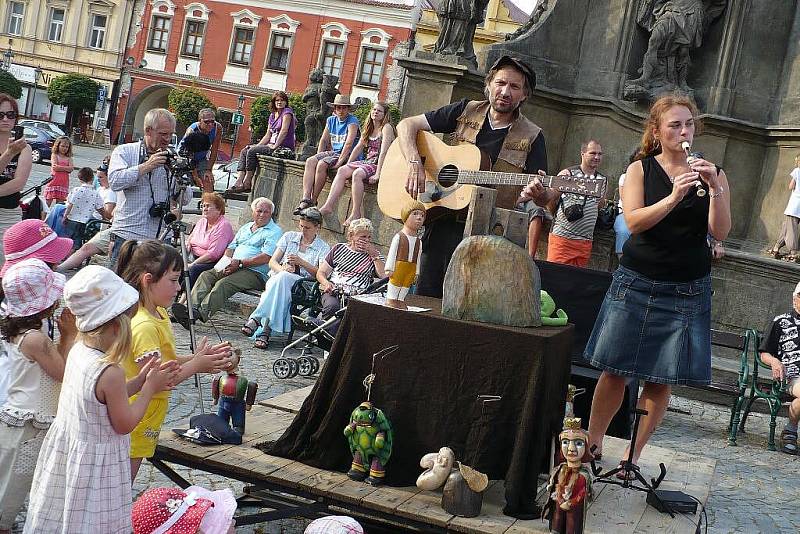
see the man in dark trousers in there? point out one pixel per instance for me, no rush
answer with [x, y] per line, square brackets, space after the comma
[496, 126]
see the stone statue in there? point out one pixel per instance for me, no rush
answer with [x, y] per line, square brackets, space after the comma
[676, 27]
[457, 22]
[316, 113]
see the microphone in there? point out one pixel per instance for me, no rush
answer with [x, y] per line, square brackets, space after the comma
[701, 192]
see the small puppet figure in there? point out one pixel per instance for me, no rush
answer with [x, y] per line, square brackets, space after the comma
[402, 262]
[235, 394]
[570, 484]
[369, 434]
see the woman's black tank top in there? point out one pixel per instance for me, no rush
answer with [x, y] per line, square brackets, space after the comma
[6, 175]
[675, 249]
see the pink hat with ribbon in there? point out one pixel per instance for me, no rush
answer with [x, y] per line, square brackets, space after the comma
[32, 238]
[30, 286]
[175, 511]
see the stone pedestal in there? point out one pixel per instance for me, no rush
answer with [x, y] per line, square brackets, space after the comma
[430, 81]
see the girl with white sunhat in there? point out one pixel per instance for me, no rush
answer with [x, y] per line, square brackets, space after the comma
[83, 471]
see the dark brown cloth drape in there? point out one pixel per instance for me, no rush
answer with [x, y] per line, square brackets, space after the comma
[429, 390]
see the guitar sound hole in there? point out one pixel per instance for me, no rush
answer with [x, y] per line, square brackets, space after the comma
[448, 175]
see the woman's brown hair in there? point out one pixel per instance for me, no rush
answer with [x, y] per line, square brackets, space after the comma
[369, 127]
[137, 258]
[4, 97]
[276, 95]
[649, 145]
[216, 199]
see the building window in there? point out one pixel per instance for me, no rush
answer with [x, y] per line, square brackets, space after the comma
[371, 67]
[332, 55]
[193, 40]
[56, 28]
[16, 12]
[97, 33]
[159, 34]
[242, 46]
[279, 52]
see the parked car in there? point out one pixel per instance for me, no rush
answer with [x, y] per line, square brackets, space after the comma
[41, 142]
[51, 127]
[225, 174]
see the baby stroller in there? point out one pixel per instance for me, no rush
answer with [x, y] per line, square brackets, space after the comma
[34, 207]
[319, 334]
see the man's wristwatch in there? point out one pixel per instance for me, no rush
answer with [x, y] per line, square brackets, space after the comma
[241, 264]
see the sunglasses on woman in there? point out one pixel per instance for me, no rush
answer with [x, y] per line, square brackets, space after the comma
[8, 114]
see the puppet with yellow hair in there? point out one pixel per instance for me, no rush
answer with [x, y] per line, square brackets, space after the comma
[402, 263]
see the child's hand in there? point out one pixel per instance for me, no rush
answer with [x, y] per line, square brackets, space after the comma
[159, 378]
[211, 359]
[147, 362]
[173, 368]
[66, 324]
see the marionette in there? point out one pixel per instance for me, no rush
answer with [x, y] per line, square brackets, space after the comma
[402, 263]
[570, 485]
[235, 394]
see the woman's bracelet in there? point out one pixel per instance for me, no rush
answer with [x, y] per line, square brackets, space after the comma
[717, 192]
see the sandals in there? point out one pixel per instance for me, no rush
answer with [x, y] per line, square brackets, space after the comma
[789, 441]
[262, 342]
[239, 189]
[305, 203]
[627, 475]
[250, 327]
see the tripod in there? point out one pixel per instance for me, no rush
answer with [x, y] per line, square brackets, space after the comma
[630, 471]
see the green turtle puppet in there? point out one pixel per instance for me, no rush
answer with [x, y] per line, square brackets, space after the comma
[548, 308]
[370, 436]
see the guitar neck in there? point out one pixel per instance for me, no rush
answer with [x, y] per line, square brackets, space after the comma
[500, 178]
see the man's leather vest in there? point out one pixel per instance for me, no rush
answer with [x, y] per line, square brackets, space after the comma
[513, 153]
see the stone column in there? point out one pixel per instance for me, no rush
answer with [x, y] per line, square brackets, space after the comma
[429, 82]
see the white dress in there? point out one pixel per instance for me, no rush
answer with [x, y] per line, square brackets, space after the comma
[82, 481]
[793, 206]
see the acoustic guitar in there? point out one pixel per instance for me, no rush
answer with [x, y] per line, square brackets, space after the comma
[451, 172]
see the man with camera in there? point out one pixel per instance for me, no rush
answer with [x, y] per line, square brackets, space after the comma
[574, 216]
[138, 173]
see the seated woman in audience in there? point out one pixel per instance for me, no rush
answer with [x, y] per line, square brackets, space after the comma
[378, 134]
[297, 255]
[210, 236]
[335, 145]
[349, 268]
[280, 136]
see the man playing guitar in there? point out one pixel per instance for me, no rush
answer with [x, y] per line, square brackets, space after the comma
[497, 127]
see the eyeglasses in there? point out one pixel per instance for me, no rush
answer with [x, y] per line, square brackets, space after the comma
[207, 206]
[8, 114]
[209, 121]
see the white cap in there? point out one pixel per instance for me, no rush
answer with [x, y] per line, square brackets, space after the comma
[797, 289]
[334, 524]
[95, 295]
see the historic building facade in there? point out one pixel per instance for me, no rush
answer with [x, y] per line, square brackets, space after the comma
[246, 48]
[49, 38]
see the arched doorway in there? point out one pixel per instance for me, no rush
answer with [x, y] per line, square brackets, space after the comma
[154, 96]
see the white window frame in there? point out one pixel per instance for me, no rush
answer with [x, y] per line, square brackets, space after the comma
[243, 20]
[19, 18]
[368, 41]
[285, 26]
[56, 25]
[193, 17]
[328, 37]
[101, 31]
[362, 60]
[164, 32]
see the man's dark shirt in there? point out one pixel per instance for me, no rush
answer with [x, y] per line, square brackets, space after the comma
[783, 342]
[444, 120]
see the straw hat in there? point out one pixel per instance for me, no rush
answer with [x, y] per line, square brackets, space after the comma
[30, 287]
[95, 295]
[341, 100]
[32, 238]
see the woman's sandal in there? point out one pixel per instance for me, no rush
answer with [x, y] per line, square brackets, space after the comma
[250, 327]
[262, 342]
[789, 441]
[623, 475]
[305, 203]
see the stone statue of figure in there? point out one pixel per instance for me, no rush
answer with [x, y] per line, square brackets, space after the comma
[541, 9]
[316, 112]
[457, 22]
[676, 27]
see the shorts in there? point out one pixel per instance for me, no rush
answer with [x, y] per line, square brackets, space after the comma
[793, 387]
[534, 210]
[144, 437]
[329, 157]
[101, 240]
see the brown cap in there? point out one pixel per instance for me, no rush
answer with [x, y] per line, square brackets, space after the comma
[520, 66]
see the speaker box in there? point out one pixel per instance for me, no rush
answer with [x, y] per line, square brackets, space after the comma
[621, 424]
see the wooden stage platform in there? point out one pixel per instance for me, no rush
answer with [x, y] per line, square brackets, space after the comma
[409, 509]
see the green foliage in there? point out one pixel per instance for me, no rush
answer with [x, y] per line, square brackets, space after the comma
[299, 108]
[259, 116]
[362, 112]
[186, 103]
[10, 85]
[76, 91]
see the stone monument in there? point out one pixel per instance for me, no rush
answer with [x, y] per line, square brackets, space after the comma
[457, 22]
[321, 90]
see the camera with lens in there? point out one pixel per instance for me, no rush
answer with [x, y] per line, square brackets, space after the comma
[573, 212]
[158, 210]
[178, 160]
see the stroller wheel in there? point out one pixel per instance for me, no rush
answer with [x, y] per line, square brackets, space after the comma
[294, 367]
[281, 368]
[315, 363]
[305, 367]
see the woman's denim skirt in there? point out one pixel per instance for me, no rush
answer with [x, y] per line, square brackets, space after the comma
[653, 330]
